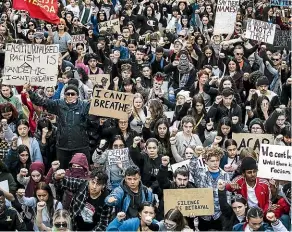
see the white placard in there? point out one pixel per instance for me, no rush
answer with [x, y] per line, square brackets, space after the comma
[260, 31]
[117, 156]
[275, 162]
[114, 23]
[4, 185]
[36, 64]
[78, 39]
[225, 16]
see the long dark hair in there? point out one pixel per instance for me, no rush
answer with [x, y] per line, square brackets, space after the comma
[193, 111]
[83, 75]
[176, 216]
[50, 202]
[258, 109]
[8, 107]
[23, 122]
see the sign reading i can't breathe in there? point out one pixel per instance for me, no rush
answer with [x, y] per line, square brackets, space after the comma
[191, 201]
[260, 31]
[275, 162]
[110, 103]
[36, 64]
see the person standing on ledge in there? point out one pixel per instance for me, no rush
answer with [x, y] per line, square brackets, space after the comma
[72, 115]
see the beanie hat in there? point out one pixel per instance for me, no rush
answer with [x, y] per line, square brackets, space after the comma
[254, 76]
[248, 163]
[72, 87]
[256, 121]
[262, 81]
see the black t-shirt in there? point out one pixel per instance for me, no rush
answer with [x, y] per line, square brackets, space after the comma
[90, 214]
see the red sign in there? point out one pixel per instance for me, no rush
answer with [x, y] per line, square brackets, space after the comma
[41, 9]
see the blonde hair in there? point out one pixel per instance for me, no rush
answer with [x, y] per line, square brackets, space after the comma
[61, 213]
[248, 152]
[137, 95]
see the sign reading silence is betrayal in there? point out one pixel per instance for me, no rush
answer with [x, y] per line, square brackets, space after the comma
[110, 103]
[192, 201]
[260, 31]
[275, 162]
[36, 64]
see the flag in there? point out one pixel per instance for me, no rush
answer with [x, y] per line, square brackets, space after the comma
[41, 9]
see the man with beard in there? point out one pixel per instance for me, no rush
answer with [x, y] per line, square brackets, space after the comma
[256, 190]
[10, 220]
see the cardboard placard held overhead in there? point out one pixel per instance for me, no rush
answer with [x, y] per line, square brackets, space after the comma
[196, 201]
[275, 162]
[281, 2]
[282, 39]
[78, 39]
[117, 156]
[260, 31]
[225, 16]
[36, 64]
[107, 25]
[110, 103]
[253, 141]
[100, 79]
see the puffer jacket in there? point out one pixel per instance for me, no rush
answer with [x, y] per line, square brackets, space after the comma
[72, 121]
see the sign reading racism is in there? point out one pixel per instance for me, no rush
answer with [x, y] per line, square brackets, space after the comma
[36, 64]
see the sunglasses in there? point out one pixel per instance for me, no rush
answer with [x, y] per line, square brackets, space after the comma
[30, 24]
[238, 25]
[61, 225]
[239, 54]
[70, 94]
[275, 59]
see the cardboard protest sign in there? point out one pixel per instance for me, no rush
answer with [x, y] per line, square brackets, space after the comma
[77, 39]
[36, 64]
[117, 156]
[196, 201]
[281, 2]
[260, 31]
[115, 23]
[253, 141]
[275, 162]
[100, 79]
[110, 103]
[282, 39]
[225, 16]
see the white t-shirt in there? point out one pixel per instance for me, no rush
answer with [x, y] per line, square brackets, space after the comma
[251, 196]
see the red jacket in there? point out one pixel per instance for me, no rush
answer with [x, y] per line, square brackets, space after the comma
[262, 191]
[284, 208]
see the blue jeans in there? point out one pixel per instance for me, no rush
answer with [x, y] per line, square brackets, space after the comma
[285, 219]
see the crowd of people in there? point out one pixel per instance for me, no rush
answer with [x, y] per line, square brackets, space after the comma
[54, 154]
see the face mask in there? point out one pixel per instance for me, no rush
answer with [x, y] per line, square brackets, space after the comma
[77, 172]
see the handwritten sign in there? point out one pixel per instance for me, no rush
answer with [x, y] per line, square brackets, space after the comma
[281, 2]
[115, 24]
[34, 63]
[77, 39]
[196, 201]
[117, 156]
[225, 16]
[260, 31]
[110, 103]
[100, 79]
[253, 141]
[282, 39]
[275, 162]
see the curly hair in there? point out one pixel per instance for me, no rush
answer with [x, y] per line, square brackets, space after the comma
[213, 152]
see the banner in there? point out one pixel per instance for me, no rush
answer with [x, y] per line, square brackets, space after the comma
[117, 156]
[78, 39]
[45, 10]
[36, 64]
[100, 79]
[253, 141]
[190, 201]
[110, 103]
[275, 162]
[281, 2]
[282, 39]
[115, 24]
[260, 31]
[225, 16]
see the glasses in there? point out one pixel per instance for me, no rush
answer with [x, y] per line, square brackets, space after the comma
[61, 225]
[239, 54]
[275, 59]
[30, 24]
[70, 94]
[118, 146]
[238, 25]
